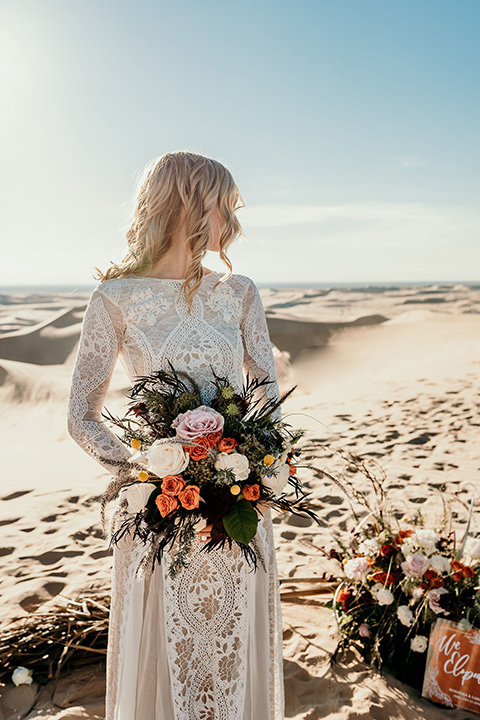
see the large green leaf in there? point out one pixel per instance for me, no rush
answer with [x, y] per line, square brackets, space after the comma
[241, 522]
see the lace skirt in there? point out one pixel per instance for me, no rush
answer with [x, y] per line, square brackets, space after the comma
[205, 645]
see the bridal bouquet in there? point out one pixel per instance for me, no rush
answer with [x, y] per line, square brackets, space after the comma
[196, 465]
[399, 576]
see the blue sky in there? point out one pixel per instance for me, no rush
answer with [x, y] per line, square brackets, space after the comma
[351, 129]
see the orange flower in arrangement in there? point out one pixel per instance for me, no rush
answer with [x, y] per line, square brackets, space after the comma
[172, 485]
[190, 497]
[430, 575]
[227, 445]
[251, 492]
[292, 470]
[200, 450]
[214, 437]
[382, 577]
[457, 576]
[166, 504]
[437, 582]
[462, 570]
[401, 536]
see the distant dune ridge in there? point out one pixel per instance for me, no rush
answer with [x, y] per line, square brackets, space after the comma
[392, 373]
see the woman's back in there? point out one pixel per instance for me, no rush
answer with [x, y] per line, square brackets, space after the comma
[207, 644]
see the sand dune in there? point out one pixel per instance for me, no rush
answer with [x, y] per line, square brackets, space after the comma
[379, 372]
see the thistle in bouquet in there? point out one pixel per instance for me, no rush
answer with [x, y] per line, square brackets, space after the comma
[399, 576]
[196, 465]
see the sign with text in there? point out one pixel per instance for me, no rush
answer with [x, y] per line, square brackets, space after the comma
[452, 673]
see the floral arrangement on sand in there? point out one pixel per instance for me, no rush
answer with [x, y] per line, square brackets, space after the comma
[399, 575]
[196, 465]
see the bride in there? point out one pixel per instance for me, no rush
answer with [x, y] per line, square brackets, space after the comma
[207, 644]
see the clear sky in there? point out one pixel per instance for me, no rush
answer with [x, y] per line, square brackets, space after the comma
[351, 128]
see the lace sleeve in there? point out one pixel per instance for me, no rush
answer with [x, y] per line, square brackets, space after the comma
[258, 358]
[99, 345]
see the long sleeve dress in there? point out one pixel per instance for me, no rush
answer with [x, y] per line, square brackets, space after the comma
[207, 644]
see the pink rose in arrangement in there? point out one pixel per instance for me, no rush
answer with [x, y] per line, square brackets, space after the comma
[415, 564]
[434, 600]
[166, 503]
[364, 630]
[357, 568]
[195, 423]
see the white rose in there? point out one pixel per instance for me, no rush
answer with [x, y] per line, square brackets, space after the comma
[22, 676]
[417, 593]
[405, 615]
[369, 546]
[277, 482]
[384, 596]
[137, 496]
[426, 538]
[167, 458]
[357, 568]
[419, 643]
[233, 461]
[376, 588]
[472, 548]
[440, 563]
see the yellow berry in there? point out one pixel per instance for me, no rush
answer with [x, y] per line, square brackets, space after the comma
[268, 459]
[136, 443]
[235, 489]
[143, 476]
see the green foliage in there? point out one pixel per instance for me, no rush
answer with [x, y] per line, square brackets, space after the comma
[241, 522]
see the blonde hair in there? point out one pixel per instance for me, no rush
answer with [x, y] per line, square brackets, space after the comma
[168, 183]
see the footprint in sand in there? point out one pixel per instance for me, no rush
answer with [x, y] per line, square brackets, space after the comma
[15, 495]
[53, 556]
[9, 522]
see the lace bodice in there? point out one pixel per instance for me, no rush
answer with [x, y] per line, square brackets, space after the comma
[145, 322]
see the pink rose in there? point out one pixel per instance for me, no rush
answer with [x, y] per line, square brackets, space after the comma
[434, 600]
[415, 564]
[364, 630]
[195, 423]
[357, 568]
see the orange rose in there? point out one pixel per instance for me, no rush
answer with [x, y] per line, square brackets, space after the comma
[457, 576]
[227, 445]
[190, 497]
[292, 470]
[200, 450]
[172, 484]
[468, 571]
[166, 504]
[251, 492]
[214, 437]
[456, 565]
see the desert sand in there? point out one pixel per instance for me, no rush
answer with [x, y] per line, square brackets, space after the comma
[390, 373]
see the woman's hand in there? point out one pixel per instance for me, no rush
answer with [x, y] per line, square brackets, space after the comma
[205, 533]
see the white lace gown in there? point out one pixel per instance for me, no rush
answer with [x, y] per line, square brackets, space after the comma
[207, 644]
